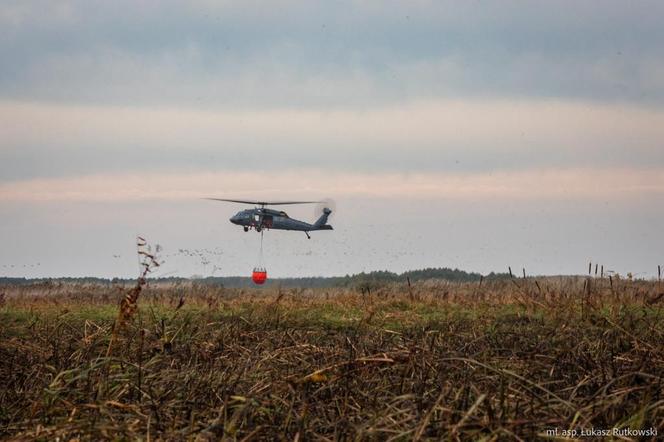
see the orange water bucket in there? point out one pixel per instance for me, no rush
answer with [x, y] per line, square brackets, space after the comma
[259, 275]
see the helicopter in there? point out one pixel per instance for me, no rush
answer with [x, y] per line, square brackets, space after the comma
[261, 217]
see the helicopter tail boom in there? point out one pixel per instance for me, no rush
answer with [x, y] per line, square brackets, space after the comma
[321, 222]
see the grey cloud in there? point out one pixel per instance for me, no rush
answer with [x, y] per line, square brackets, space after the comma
[330, 54]
[90, 159]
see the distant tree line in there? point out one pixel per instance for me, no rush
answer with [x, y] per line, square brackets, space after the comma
[359, 279]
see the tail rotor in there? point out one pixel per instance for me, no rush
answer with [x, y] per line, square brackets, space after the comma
[324, 209]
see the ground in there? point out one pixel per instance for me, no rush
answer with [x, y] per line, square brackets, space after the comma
[501, 361]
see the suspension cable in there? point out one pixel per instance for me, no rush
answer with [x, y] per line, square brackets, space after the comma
[260, 253]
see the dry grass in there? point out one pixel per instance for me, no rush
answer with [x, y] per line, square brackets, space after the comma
[504, 360]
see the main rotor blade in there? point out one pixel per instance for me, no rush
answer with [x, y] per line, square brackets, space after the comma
[264, 203]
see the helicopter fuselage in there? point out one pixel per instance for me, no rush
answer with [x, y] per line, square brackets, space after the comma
[263, 218]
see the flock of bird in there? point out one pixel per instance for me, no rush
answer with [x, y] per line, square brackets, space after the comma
[198, 257]
[24, 266]
[211, 261]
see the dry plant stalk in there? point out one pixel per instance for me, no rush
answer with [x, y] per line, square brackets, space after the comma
[129, 304]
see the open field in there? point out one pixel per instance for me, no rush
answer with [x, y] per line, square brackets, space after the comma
[504, 360]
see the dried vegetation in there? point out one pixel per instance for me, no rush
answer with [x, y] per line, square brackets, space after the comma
[503, 360]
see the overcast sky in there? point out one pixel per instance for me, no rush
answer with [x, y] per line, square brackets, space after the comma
[475, 134]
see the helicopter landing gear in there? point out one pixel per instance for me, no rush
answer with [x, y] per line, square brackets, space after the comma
[307, 233]
[246, 229]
